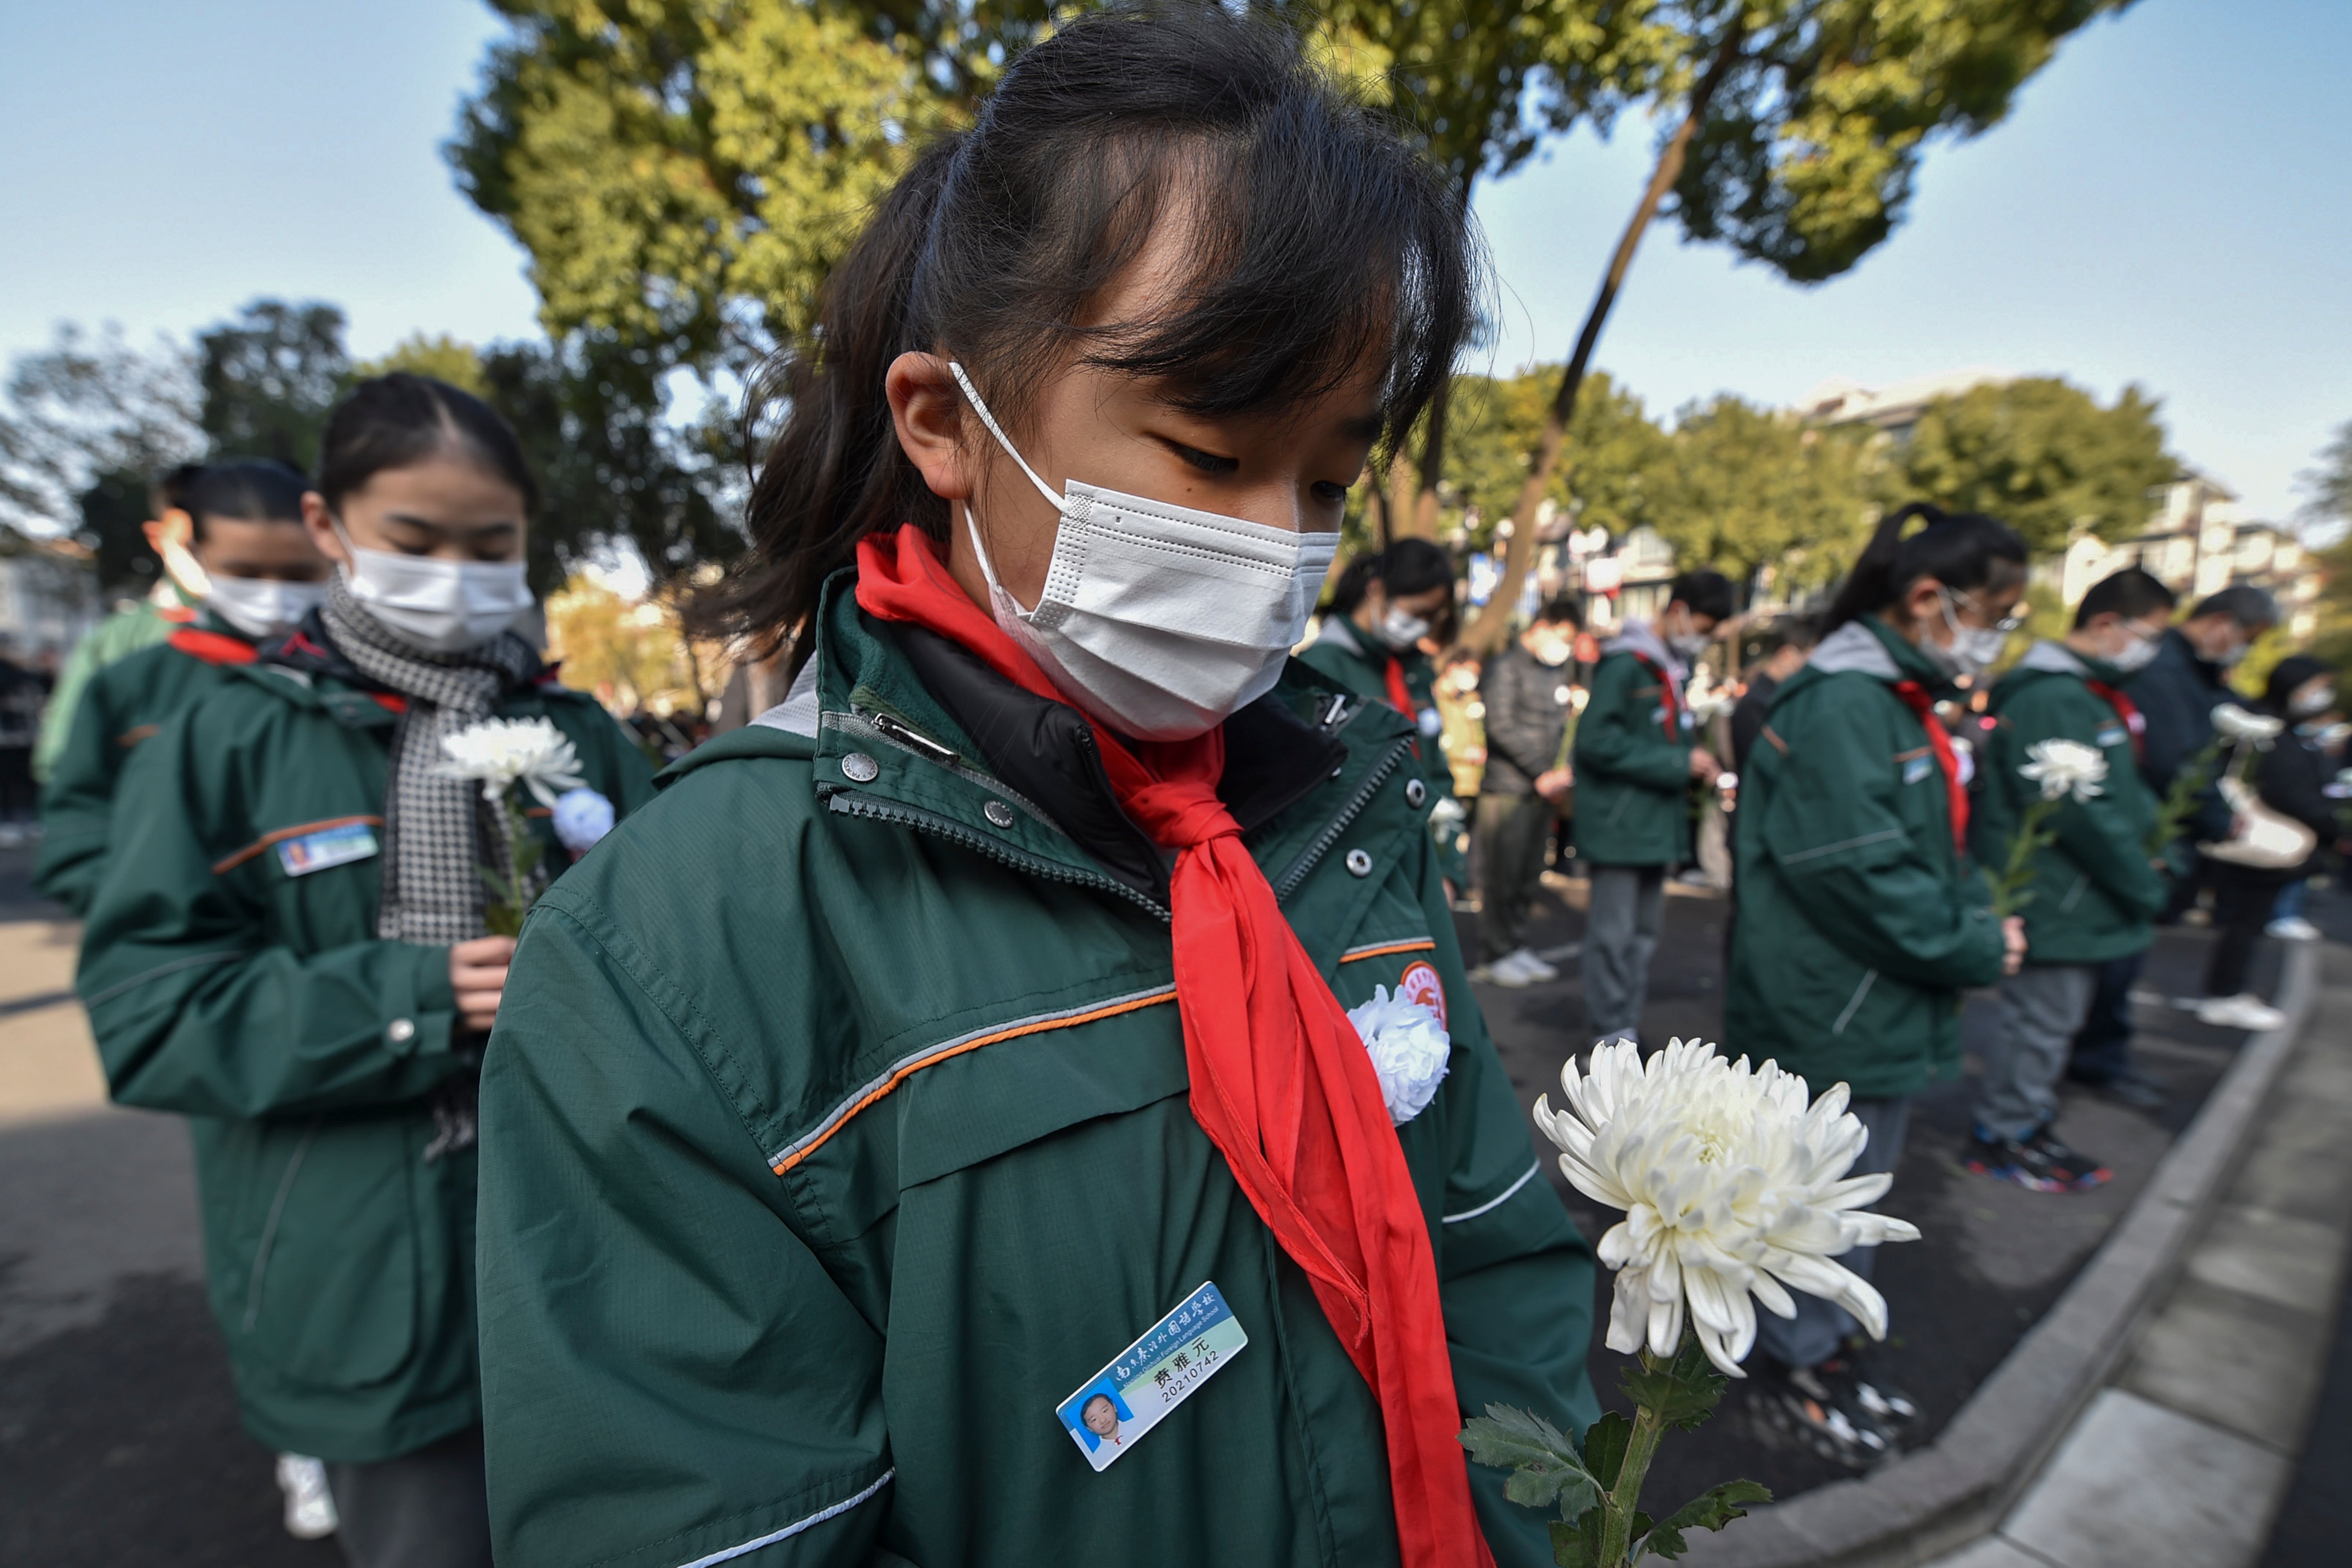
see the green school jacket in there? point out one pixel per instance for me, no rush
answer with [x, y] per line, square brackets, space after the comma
[127, 631]
[836, 1129]
[1633, 773]
[121, 705]
[1348, 660]
[261, 1005]
[1859, 922]
[2094, 894]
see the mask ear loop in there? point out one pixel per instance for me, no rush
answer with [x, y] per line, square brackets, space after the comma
[971, 525]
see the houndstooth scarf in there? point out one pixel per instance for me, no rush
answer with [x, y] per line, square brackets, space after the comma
[437, 830]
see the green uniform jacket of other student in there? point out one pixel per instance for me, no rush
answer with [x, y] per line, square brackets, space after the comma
[125, 631]
[2094, 894]
[1339, 657]
[1632, 776]
[836, 1128]
[1859, 921]
[121, 704]
[303, 1050]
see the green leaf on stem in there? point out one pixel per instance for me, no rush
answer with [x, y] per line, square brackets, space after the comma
[1577, 1545]
[1542, 1459]
[1684, 1390]
[1712, 1509]
[1604, 1447]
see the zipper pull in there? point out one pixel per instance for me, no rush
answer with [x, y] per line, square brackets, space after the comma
[912, 740]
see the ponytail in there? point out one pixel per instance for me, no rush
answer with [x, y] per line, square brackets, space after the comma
[1963, 551]
[1001, 239]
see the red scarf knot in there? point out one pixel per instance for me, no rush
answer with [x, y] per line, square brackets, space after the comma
[1281, 1084]
[1956, 794]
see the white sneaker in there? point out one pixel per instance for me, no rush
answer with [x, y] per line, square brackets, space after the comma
[310, 1506]
[2244, 1011]
[1534, 968]
[1508, 970]
[2293, 928]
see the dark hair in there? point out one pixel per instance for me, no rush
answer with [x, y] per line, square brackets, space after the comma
[1407, 567]
[2248, 606]
[2130, 594]
[1703, 590]
[1787, 631]
[1320, 243]
[1560, 610]
[1963, 551]
[399, 420]
[248, 489]
[2289, 673]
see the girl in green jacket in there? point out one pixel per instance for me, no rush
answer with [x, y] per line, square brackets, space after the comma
[1860, 917]
[1019, 1102]
[287, 946]
[1384, 605]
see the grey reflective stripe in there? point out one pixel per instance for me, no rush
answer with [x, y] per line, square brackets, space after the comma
[844, 1506]
[1877, 838]
[2074, 894]
[796, 714]
[852, 1103]
[177, 964]
[1869, 978]
[1495, 1202]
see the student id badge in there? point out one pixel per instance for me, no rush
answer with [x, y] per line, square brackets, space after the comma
[1918, 768]
[337, 845]
[1112, 1410]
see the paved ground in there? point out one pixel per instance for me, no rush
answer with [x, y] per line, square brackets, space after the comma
[119, 1439]
[1994, 1256]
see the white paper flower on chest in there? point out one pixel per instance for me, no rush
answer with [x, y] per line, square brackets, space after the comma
[1409, 1048]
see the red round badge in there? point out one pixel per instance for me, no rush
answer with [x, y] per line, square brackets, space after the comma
[1419, 982]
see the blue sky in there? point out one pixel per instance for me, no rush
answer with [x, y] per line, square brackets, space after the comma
[2171, 204]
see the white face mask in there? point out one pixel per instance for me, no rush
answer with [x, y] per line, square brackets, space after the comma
[2136, 653]
[1973, 650]
[441, 606]
[1400, 628]
[262, 607]
[1160, 621]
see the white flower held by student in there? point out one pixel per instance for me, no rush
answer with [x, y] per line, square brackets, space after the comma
[2064, 767]
[2232, 723]
[1732, 1185]
[502, 753]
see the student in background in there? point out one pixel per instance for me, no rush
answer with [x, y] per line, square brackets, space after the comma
[1786, 644]
[1861, 919]
[287, 946]
[2176, 695]
[259, 575]
[1385, 604]
[1526, 691]
[2296, 775]
[2096, 893]
[139, 623]
[1636, 755]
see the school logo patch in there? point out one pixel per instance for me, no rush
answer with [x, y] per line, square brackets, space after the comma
[1419, 982]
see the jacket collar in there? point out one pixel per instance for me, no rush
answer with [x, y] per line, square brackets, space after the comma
[1641, 637]
[2054, 657]
[1868, 645]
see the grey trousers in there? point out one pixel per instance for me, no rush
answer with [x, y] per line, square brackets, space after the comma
[1815, 1335]
[1621, 931]
[2042, 1006]
[1512, 830]
[426, 1509]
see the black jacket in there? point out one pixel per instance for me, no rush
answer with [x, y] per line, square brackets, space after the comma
[2292, 778]
[1527, 715]
[2177, 694]
[1747, 718]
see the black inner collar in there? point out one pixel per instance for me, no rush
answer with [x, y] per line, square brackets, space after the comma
[1046, 749]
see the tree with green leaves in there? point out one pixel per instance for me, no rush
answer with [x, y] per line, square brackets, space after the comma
[1743, 489]
[2042, 455]
[269, 375]
[1793, 129]
[2328, 488]
[1616, 452]
[92, 405]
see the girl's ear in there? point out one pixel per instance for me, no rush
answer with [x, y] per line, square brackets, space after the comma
[928, 412]
[1921, 601]
[317, 523]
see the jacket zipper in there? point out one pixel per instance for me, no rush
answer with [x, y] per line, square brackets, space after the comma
[852, 804]
[1347, 814]
[898, 733]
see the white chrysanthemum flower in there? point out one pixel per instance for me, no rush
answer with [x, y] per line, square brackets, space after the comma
[1732, 1187]
[2235, 724]
[2065, 767]
[1409, 1048]
[505, 752]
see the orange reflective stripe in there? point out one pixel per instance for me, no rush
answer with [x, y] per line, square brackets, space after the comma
[1381, 949]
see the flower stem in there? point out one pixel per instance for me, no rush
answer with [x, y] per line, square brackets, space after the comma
[2008, 893]
[1625, 1497]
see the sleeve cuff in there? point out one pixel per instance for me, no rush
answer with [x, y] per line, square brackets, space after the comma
[419, 1007]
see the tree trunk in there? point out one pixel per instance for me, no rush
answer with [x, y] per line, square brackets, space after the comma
[1486, 630]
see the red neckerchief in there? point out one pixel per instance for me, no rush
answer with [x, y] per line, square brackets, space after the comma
[1402, 700]
[212, 647]
[1281, 1083]
[2127, 711]
[1915, 696]
[1674, 704]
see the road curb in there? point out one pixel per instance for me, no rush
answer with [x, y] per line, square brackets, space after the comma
[1940, 1498]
